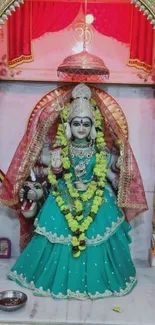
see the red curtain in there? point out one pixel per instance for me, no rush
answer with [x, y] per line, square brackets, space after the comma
[112, 19]
[127, 24]
[52, 16]
[141, 42]
[32, 20]
[19, 35]
[35, 18]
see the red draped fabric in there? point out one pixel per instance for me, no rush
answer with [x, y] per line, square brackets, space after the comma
[122, 21]
[52, 16]
[19, 35]
[141, 43]
[32, 20]
[112, 19]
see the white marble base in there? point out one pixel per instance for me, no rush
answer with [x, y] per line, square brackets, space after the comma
[138, 307]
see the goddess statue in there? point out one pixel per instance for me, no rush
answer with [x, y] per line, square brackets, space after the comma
[80, 195]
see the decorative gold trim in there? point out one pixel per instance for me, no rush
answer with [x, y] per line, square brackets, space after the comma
[125, 179]
[71, 295]
[2, 176]
[139, 65]
[21, 59]
[54, 238]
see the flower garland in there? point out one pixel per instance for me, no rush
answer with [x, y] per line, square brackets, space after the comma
[75, 219]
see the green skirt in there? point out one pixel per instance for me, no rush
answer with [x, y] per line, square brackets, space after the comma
[104, 268]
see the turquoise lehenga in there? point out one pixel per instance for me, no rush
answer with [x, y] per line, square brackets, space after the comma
[103, 269]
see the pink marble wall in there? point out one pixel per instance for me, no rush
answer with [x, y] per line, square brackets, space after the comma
[17, 100]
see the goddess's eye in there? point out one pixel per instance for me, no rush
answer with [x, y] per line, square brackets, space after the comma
[86, 125]
[76, 124]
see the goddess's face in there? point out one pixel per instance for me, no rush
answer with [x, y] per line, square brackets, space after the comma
[81, 127]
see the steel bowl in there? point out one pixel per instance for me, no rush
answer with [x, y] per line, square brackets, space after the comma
[11, 300]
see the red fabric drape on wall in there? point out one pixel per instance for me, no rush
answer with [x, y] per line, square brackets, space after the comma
[32, 20]
[112, 19]
[52, 16]
[141, 42]
[19, 36]
[35, 18]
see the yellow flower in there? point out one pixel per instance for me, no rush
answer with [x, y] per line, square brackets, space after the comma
[85, 227]
[67, 176]
[90, 219]
[98, 199]
[82, 248]
[63, 207]
[81, 228]
[64, 141]
[99, 192]
[85, 223]
[79, 218]
[73, 225]
[74, 241]
[54, 193]
[65, 113]
[99, 134]
[53, 182]
[74, 193]
[93, 102]
[59, 198]
[69, 186]
[60, 203]
[65, 151]
[60, 128]
[77, 254]
[94, 208]
[98, 115]
[99, 141]
[65, 162]
[68, 216]
[78, 205]
[73, 228]
[84, 198]
[82, 237]
[102, 183]
[69, 220]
